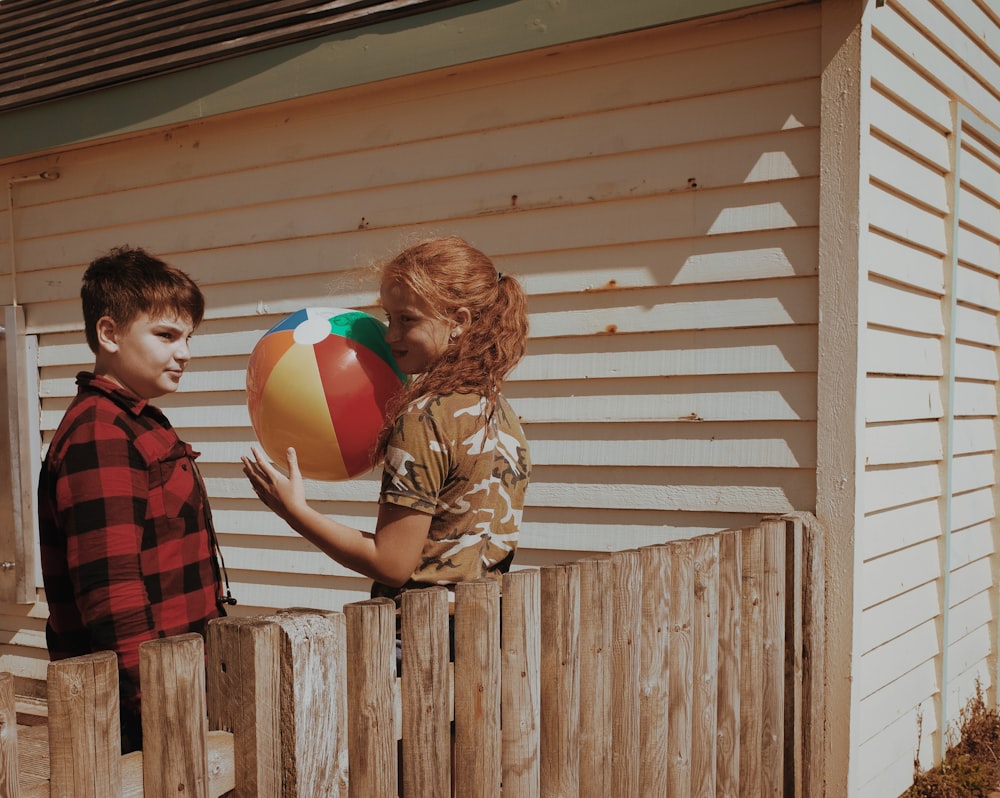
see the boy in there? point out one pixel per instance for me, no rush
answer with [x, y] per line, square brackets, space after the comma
[128, 551]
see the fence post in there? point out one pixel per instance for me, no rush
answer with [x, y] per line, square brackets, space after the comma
[313, 703]
[625, 662]
[426, 733]
[597, 622]
[477, 689]
[174, 717]
[792, 688]
[773, 720]
[371, 681]
[751, 659]
[730, 634]
[681, 669]
[243, 698]
[560, 681]
[9, 784]
[654, 673]
[84, 730]
[520, 700]
[705, 637]
[806, 642]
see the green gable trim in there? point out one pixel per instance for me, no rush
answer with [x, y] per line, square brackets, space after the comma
[459, 34]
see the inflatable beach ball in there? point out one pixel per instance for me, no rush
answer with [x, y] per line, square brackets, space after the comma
[319, 381]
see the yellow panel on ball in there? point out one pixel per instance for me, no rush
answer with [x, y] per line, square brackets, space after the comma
[294, 406]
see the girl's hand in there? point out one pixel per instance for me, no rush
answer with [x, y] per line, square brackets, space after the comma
[280, 493]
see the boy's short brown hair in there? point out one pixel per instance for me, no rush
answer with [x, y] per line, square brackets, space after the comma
[127, 282]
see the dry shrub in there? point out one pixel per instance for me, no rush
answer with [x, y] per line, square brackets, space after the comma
[971, 767]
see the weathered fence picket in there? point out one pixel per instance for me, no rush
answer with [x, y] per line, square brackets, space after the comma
[690, 668]
[9, 785]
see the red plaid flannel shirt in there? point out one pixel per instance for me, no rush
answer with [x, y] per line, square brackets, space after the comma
[127, 550]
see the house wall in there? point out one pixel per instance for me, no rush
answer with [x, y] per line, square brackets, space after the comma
[926, 588]
[656, 192]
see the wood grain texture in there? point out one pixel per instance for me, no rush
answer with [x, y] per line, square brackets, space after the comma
[425, 694]
[597, 632]
[476, 751]
[84, 733]
[559, 759]
[174, 717]
[371, 694]
[625, 668]
[243, 657]
[520, 699]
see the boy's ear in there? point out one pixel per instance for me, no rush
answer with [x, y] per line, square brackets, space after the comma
[107, 334]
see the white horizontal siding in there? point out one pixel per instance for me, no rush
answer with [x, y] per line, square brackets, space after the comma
[880, 760]
[931, 412]
[881, 712]
[656, 193]
[882, 620]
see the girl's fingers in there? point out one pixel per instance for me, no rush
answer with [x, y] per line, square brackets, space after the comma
[293, 463]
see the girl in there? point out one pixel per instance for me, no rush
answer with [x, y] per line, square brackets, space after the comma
[455, 460]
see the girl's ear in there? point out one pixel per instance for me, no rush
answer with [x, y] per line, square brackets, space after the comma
[107, 334]
[461, 319]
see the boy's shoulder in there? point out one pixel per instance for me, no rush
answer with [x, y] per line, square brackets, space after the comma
[101, 412]
[88, 411]
[98, 399]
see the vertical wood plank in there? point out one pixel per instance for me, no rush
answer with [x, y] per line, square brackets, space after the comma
[174, 717]
[371, 678]
[426, 732]
[596, 627]
[221, 763]
[792, 690]
[560, 683]
[477, 689]
[654, 655]
[22, 406]
[773, 618]
[751, 662]
[9, 784]
[705, 639]
[313, 702]
[84, 731]
[814, 659]
[681, 669]
[730, 633]
[625, 672]
[520, 700]
[243, 667]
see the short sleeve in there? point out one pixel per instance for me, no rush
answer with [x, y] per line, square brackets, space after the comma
[417, 460]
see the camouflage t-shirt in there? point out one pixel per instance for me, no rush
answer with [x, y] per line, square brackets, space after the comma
[444, 459]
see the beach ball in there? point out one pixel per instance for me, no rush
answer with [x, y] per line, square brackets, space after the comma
[319, 380]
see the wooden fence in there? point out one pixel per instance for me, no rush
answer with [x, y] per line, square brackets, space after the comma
[692, 668]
